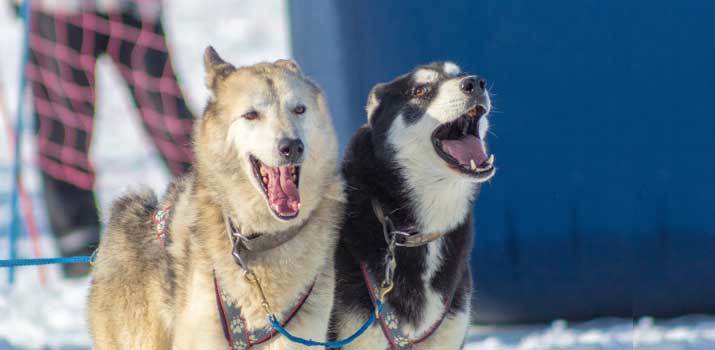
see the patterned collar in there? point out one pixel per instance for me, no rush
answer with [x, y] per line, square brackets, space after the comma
[388, 317]
[161, 220]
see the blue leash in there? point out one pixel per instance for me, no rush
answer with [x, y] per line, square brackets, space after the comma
[83, 259]
[16, 169]
[271, 318]
[329, 345]
[47, 261]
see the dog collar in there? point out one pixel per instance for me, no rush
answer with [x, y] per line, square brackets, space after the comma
[235, 329]
[390, 324]
[257, 243]
[403, 239]
[260, 242]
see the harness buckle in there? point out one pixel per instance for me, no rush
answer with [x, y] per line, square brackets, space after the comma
[384, 290]
[253, 279]
[250, 277]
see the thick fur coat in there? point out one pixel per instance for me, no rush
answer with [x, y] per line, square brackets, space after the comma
[394, 159]
[152, 294]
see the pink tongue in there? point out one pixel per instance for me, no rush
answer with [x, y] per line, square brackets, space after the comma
[283, 196]
[465, 149]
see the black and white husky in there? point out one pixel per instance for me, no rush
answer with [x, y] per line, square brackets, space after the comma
[413, 172]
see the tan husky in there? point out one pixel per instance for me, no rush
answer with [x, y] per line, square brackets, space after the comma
[265, 196]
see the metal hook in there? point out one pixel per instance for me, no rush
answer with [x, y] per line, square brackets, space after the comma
[237, 256]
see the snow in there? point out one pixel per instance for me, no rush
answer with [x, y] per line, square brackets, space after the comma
[693, 332]
[44, 318]
[53, 316]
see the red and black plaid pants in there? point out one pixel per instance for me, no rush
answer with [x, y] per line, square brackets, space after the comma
[64, 48]
[63, 54]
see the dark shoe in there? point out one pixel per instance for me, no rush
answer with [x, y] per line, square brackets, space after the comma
[74, 221]
[68, 207]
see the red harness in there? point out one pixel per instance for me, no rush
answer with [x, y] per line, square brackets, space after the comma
[235, 329]
[390, 324]
[160, 220]
[239, 336]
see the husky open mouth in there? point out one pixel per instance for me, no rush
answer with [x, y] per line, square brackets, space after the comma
[280, 185]
[459, 144]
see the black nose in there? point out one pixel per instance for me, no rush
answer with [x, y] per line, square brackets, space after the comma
[472, 85]
[291, 149]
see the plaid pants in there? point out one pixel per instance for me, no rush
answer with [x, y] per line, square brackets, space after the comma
[63, 54]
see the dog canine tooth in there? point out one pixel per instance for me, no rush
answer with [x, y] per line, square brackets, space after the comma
[488, 164]
[473, 164]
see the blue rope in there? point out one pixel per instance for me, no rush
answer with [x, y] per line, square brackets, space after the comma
[47, 261]
[329, 345]
[15, 223]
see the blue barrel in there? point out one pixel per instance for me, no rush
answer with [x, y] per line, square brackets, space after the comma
[604, 135]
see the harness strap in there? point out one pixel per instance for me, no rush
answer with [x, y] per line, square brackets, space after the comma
[404, 239]
[160, 220]
[236, 331]
[389, 322]
[222, 313]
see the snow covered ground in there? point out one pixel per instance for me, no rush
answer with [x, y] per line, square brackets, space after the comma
[53, 317]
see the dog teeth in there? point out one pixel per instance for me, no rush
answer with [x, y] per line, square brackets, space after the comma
[265, 179]
[490, 160]
[488, 164]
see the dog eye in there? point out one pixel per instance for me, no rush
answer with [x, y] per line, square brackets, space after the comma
[299, 109]
[421, 91]
[250, 115]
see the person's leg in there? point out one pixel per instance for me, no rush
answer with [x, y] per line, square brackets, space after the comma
[61, 73]
[138, 46]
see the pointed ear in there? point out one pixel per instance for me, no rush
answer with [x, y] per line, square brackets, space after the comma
[216, 68]
[373, 100]
[451, 69]
[289, 65]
